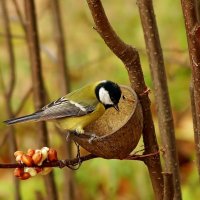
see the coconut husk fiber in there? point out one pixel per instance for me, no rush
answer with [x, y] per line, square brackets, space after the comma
[117, 133]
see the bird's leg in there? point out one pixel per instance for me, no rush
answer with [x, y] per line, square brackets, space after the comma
[76, 166]
[68, 134]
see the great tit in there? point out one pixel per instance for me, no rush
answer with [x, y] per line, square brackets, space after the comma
[79, 108]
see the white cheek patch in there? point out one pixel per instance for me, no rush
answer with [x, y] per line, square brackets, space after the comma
[78, 105]
[105, 97]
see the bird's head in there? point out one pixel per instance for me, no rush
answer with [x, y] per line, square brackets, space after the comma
[108, 93]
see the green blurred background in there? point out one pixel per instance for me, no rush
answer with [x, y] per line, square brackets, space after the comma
[89, 59]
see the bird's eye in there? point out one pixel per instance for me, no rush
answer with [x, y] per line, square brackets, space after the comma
[112, 99]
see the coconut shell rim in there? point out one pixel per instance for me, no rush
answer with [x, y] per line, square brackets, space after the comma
[135, 97]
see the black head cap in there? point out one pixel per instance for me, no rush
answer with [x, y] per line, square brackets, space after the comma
[108, 93]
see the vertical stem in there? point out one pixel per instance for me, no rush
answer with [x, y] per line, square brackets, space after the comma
[64, 82]
[169, 187]
[19, 14]
[158, 73]
[188, 7]
[197, 9]
[38, 85]
[194, 118]
[130, 57]
[9, 92]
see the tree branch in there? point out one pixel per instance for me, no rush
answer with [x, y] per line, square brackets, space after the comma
[19, 14]
[38, 85]
[168, 186]
[196, 137]
[158, 73]
[188, 7]
[64, 83]
[23, 101]
[9, 92]
[129, 56]
[61, 49]
[74, 162]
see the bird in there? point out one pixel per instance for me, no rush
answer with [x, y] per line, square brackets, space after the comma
[79, 108]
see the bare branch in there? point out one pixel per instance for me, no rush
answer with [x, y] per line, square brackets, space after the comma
[158, 73]
[197, 9]
[23, 101]
[75, 161]
[19, 14]
[129, 56]
[196, 137]
[188, 7]
[64, 87]
[168, 186]
[4, 139]
[10, 51]
[8, 92]
[38, 86]
[61, 49]
[58, 163]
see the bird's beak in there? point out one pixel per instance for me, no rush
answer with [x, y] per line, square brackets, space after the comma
[116, 107]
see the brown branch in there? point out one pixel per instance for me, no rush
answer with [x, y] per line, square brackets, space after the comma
[129, 56]
[9, 92]
[4, 139]
[188, 7]
[38, 85]
[197, 9]
[64, 83]
[196, 137]
[10, 51]
[61, 49]
[58, 163]
[34, 52]
[73, 162]
[19, 14]
[168, 186]
[158, 73]
[23, 101]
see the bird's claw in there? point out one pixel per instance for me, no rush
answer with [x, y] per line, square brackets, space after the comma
[92, 137]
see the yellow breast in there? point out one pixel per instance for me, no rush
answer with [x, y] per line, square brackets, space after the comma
[78, 123]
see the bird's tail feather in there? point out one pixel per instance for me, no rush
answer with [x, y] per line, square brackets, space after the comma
[30, 117]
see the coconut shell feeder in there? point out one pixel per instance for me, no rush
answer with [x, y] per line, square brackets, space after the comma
[118, 133]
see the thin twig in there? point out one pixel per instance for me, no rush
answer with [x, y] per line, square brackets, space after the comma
[4, 139]
[19, 14]
[10, 51]
[58, 163]
[75, 161]
[23, 101]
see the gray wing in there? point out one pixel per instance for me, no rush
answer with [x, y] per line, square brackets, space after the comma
[63, 107]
